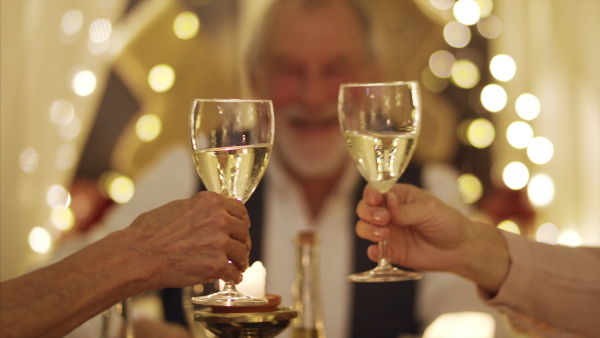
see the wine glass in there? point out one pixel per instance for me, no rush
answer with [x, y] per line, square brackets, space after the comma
[231, 142]
[381, 122]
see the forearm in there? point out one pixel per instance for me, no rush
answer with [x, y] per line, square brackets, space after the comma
[486, 259]
[56, 299]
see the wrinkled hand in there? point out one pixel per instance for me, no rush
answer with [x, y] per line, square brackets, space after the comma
[423, 232]
[195, 240]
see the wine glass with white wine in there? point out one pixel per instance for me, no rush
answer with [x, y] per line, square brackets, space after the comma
[231, 142]
[381, 122]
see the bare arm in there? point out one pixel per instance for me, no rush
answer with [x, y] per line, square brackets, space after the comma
[60, 297]
[182, 243]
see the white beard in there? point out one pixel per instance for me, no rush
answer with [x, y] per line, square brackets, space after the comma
[309, 157]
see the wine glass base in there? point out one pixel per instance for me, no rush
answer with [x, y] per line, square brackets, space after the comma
[228, 298]
[384, 275]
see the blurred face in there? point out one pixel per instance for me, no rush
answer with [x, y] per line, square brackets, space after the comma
[308, 54]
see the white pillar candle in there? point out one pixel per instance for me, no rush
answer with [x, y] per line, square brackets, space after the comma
[462, 324]
[253, 283]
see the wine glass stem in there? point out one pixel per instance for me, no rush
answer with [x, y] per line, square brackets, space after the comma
[384, 261]
[229, 287]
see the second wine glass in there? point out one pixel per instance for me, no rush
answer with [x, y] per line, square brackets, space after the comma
[231, 143]
[381, 122]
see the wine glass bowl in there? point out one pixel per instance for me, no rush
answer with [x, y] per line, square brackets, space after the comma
[381, 123]
[231, 142]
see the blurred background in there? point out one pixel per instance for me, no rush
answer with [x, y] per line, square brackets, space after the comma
[93, 90]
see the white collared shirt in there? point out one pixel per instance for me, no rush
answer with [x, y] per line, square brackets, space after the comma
[286, 215]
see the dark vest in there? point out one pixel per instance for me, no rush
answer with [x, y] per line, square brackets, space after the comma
[379, 309]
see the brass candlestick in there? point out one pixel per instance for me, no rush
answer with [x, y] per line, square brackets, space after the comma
[262, 321]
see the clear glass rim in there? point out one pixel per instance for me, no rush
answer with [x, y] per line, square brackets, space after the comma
[234, 100]
[378, 84]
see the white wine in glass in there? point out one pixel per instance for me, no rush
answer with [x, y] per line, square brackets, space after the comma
[381, 122]
[231, 143]
[232, 171]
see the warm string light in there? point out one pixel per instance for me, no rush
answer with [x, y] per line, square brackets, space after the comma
[117, 186]
[443, 66]
[510, 226]
[99, 36]
[84, 83]
[547, 233]
[161, 79]
[476, 15]
[493, 98]
[92, 36]
[186, 25]
[40, 240]
[470, 188]
[148, 127]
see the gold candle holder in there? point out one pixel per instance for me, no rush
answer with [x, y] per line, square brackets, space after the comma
[263, 321]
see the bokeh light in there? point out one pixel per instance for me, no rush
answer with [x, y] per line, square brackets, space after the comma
[470, 188]
[503, 67]
[547, 233]
[569, 238]
[39, 240]
[515, 175]
[540, 150]
[29, 160]
[467, 12]
[186, 25]
[148, 127]
[71, 21]
[58, 197]
[119, 188]
[519, 134]
[441, 62]
[62, 112]
[490, 27]
[456, 34]
[442, 4]
[161, 78]
[465, 74]
[493, 98]
[62, 218]
[527, 106]
[480, 133]
[510, 226]
[485, 7]
[540, 190]
[84, 83]
[100, 30]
